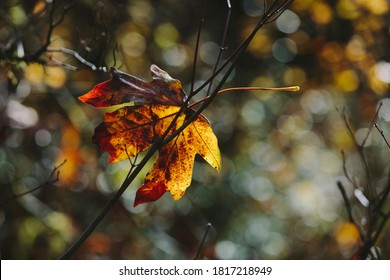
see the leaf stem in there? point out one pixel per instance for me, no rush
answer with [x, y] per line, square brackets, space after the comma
[291, 88]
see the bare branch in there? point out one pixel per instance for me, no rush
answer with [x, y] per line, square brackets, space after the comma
[62, 64]
[346, 174]
[52, 25]
[349, 209]
[375, 214]
[223, 45]
[360, 150]
[201, 19]
[372, 124]
[202, 242]
[77, 56]
[48, 182]
[383, 135]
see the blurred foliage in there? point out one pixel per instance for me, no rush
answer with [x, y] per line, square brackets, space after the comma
[276, 196]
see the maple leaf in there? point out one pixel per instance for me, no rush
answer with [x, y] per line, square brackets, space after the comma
[123, 88]
[132, 129]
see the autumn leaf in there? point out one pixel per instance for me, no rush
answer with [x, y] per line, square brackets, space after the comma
[132, 129]
[173, 169]
[123, 88]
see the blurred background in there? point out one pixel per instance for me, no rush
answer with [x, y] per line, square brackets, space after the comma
[283, 153]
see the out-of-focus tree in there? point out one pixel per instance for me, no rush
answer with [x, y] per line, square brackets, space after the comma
[283, 154]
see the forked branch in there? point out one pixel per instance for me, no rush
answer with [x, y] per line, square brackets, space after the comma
[376, 217]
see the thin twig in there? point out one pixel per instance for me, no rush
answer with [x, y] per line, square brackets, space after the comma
[346, 202]
[374, 210]
[48, 182]
[359, 148]
[385, 195]
[380, 227]
[202, 242]
[346, 174]
[349, 210]
[77, 56]
[133, 162]
[201, 19]
[383, 135]
[363, 236]
[52, 25]
[113, 54]
[276, 8]
[379, 209]
[223, 44]
[372, 124]
[370, 190]
[62, 64]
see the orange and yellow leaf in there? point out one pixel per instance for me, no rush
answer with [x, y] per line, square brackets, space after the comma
[172, 170]
[132, 129]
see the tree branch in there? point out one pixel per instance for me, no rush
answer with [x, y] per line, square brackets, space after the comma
[203, 241]
[382, 134]
[48, 182]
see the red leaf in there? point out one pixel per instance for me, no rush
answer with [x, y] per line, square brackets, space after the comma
[123, 88]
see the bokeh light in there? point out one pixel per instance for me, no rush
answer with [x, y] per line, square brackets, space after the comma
[276, 196]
